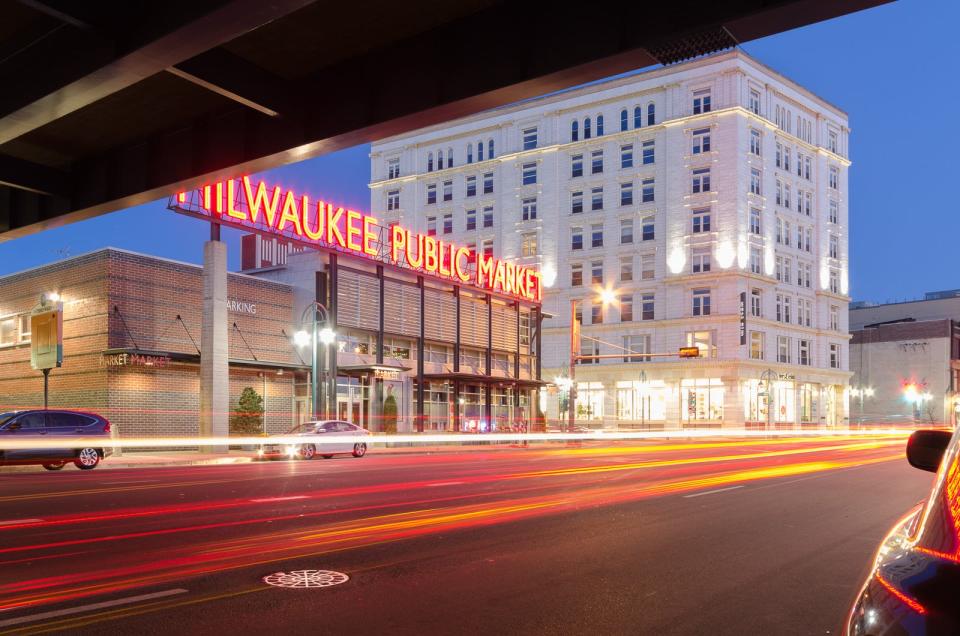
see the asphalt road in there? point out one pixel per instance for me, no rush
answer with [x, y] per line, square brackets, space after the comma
[744, 537]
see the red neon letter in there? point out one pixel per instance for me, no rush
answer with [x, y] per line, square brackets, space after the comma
[417, 262]
[369, 236]
[354, 230]
[290, 213]
[334, 235]
[430, 255]
[498, 277]
[260, 199]
[398, 240]
[231, 209]
[484, 271]
[461, 271]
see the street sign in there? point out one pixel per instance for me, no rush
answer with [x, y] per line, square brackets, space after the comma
[46, 336]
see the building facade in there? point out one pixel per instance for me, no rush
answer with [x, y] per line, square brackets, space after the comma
[653, 204]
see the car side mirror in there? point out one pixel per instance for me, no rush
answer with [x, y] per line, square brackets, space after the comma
[925, 449]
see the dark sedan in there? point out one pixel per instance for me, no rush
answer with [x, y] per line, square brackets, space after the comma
[914, 587]
[24, 427]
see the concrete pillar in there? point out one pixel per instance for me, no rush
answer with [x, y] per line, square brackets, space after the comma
[214, 348]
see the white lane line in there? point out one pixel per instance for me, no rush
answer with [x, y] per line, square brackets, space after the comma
[710, 492]
[124, 483]
[86, 608]
[16, 522]
[268, 499]
[445, 483]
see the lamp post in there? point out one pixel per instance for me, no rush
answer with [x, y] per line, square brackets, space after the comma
[767, 377]
[861, 392]
[606, 297]
[325, 336]
[643, 399]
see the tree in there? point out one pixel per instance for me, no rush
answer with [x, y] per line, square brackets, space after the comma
[248, 419]
[390, 414]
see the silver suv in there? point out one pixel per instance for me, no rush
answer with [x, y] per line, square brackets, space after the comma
[27, 426]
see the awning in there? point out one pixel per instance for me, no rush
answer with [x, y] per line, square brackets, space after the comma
[148, 358]
[484, 379]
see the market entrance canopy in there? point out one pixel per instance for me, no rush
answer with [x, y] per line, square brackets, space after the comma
[254, 206]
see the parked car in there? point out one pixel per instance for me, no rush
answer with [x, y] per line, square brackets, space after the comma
[914, 586]
[313, 444]
[30, 425]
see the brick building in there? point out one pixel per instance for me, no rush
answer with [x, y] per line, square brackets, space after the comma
[131, 342]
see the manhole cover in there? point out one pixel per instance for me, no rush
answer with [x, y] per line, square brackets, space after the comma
[306, 578]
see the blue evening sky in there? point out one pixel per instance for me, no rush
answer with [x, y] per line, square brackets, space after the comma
[888, 67]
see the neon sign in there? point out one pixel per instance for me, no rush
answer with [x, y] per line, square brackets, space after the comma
[249, 205]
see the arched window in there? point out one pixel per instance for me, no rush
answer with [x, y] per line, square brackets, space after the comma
[479, 151]
[574, 130]
[599, 125]
[449, 157]
[429, 162]
[624, 120]
[490, 149]
[651, 114]
[637, 117]
[586, 128]
[439, 160]
[469, 153]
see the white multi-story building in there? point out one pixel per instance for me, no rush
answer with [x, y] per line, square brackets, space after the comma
[674, 191]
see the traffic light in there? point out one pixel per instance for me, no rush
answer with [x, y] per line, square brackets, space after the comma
[689, 352]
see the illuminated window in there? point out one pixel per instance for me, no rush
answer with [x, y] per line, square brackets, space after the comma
[528, 244]
[756, 260]
[701, 140]
[701, 220]
[783, 349]
[626, 308]
[529, 138]
[596, 162]
[701, 101]
[647, 191]
[701, 302]
[8, 331]
[834, 356]
[431, 193]
[756, 345]
[471, 219]
[599, 125]
[705, 341]
[700, 260]
[576, 203]
[25, 327]
[576, 166]
[488, 216]
[596, 314]
[647, 267]
[528, 209]
[529, 173]
[393, 168]
[393, 200]
[700, 180]
[626, 193]
[626, 231]
[431, 226]
[756, 303]
[576, 275]
[626, 268]
[472, 186]
[649, 154]
[596, 198]
[626, 156]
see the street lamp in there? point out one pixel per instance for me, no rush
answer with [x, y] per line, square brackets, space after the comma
[767, 378]
[606, 297]
[325, 336]
[861, 392]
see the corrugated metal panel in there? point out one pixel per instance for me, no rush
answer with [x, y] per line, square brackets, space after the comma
[440, 316]
[504, 327]
[358, 300]
[473, 322]
[402, 309]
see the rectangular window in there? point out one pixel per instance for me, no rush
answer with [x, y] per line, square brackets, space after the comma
[471, 219]
[528, 244]
[807, 273]
[636, 345]
[596, 235]
[25, 328]
[596, 162]
[576, 203]
[834, 318]
[576, 275]
[528, 209]
[646, 194]
[778, 155]
[756, 303]
[448, 224]
[701, 101]
[393, 200]
[834, 211]
[700, 181]
[704, 341]
[576, 238]
[431, 193]
[700, 261]
[596, 198]
[755, 181]
[834, 246]
[626, 231]
[701, 140]
[799, 236]
[807, 168]
[8, 331]
[626, 156]
[488, 216]
[626, 193]
[756, 260]
[649, 152]
[529, 138]
[448, 190]
[431, 226]
[786, 234]
[808, 203]
[488, 247]
[626, 268]
[596, 314]
[647, 267]
[647, 229]
[786, 195]
[783, 349]
[786, 159]
[647, 306]
[529, 173]
[799, 164]
[834, 177]
[778, 196]
[488, 183]
[834, 281]
[755, 227]
[807, 313]
[755, 142]
[832, 144]
[576, 166]
[756, 345]
[472, 186]
[834, 356]
[626, 308]
[701, 302]
[393, 168]
[754, 102]
[701, 220]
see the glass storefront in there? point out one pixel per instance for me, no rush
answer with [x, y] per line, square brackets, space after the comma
[590, 396]
[784, 402]
[701, 400]
[641, 401]
[353, 400]
[755, 401]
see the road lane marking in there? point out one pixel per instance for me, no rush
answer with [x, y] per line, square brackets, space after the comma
[268, 499]
[710, 492]
[93, 606]
[445, 483]
[131, 481]
[16, 522]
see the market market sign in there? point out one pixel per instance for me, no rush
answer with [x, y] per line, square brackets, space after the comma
[255, 207]
[133, 360]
